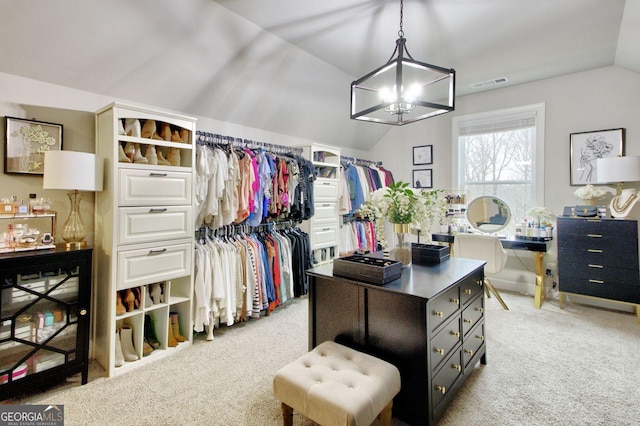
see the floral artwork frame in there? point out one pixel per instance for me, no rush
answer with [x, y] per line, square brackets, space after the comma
[422, 155]
[587, 147]
[26, 141]
[423, 178]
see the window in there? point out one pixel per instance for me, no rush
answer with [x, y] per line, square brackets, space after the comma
[500, 153]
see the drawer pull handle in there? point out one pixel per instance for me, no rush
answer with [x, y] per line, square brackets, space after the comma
[441, 389]
[479, 282]
[83, 312]
[468, 321]
[456, 367]
[158, 174]
[456, 301]
[596, 281]
[326, 229]
[326, 205]
[326, 183]
[594, 251]
[438, 314]
[455, 333]
[468, 291]
[157, 210]
[154, 252]
[469, 351]
[439, 351]
[594, 220]
[595, 266]
[479, 337]
[594, 235]
[479, 309]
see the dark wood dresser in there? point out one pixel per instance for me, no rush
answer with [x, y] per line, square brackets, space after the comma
[599, 258]
[429, 323]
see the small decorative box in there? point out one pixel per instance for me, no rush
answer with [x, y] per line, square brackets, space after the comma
[372, 270]
[425, 254]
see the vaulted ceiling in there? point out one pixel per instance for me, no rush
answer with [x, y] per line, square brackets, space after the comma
[286, 65]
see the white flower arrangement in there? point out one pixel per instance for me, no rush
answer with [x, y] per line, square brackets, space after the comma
[588, 192]
[400, 204]
[542, 214]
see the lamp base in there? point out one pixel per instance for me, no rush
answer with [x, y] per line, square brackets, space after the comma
[75, 244]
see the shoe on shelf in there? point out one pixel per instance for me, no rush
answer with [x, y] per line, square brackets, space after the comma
[130, 151]
[120, 309]
[184, 135]
[138, 158]
[165, 132]
[138, 297]
[174, 156]
[163, 293]
[126, 339]
[171, 341]
[175, 136]
[121, 128]
[128, 299]
[175, 327]
[161, 160]
[122, 157]
[150, 332]
[146, 348]
[156, 293]
[151, 155]
[132, 127]
[148, 129]
[147, 296]
[119, 361]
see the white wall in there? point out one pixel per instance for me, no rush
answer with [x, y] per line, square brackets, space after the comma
[593, 100]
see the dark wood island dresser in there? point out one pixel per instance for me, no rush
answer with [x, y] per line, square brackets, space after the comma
[429, 323]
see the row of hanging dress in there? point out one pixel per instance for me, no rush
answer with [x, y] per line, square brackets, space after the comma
[357, 181]
[241, 185]
[357, 235]
[240, 275]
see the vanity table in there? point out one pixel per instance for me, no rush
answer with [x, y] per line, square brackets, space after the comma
[537, 248]
[429, 323]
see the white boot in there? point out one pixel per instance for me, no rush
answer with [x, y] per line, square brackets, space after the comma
[161, 160]
[126, 338]
[151, 155]
[130, 151]
[119, 362]
[174, 156]
[147, 296]
[132, 127]
[138, 158]
[121, 128]
[156, 293]
[122, 157]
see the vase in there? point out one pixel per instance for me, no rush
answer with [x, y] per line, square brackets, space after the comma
[401, 250]
[589, 201]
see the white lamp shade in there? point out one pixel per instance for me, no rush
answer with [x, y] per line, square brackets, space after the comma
[72, 170]
[616, 169]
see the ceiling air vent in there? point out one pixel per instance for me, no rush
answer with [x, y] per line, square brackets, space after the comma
[489, 83]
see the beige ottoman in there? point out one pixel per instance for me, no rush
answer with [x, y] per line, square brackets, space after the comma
[336, 385]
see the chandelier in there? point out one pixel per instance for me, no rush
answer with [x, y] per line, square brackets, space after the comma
[403, 90]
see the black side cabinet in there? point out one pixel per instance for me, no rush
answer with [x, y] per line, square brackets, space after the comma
[44, 318]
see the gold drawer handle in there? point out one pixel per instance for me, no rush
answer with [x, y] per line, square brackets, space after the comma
[479, 309]
[456, 367]
[594, 251]
[469, 351]
[438, 314]
[479, 282]
[468, 291]
[456, 301]
[596, 281]
[479, 337]
[455, 333]
[439, 351]
[595, 266]
[83, 312]
[468, 321]
[441, 389]
[594, 235]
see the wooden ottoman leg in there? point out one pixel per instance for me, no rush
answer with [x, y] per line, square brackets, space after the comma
[287, 415]
[385, 414]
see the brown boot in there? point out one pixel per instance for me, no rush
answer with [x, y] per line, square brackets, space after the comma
[165, 132]
[148, 129]
[120, 309]
[171, 341]
[175, 326]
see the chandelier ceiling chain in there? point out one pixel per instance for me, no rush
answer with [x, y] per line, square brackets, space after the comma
[401, 87]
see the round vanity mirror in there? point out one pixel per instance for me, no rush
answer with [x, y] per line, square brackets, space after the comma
[488, 214]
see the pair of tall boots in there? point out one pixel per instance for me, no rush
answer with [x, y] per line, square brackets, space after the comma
[175, 336]
[125, 350]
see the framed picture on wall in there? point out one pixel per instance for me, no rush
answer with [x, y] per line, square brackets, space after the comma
[422, 178]
[422, 155]
[587, 147]
[26, 141]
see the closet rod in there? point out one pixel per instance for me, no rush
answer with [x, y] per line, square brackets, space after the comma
[205, 137]
[359, 161]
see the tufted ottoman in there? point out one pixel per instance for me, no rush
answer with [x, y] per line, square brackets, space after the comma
[336, 385]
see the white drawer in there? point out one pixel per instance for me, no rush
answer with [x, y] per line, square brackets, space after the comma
[325, 236]
[147, 224]
[151, 188]
[325, 214]
[153, 264]
[325, 190]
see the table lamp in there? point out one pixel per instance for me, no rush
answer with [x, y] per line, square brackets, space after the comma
[620, 170]
[75, 172]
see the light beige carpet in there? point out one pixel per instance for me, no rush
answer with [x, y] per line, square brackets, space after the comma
[577, 366]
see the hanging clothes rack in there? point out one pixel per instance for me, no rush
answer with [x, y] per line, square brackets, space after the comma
[205, 138]
[359, 161]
